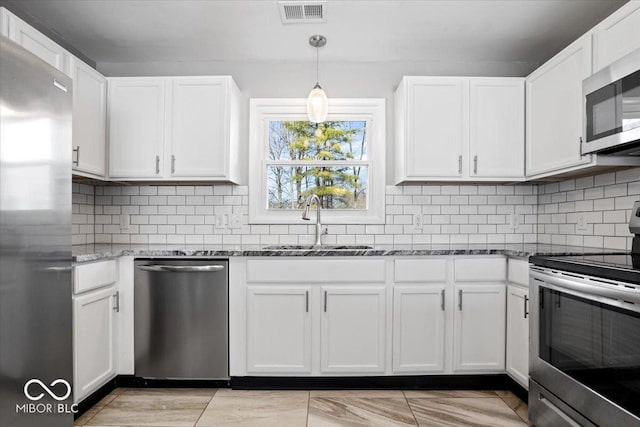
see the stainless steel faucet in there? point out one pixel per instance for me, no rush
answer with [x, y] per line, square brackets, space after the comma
[305, 216]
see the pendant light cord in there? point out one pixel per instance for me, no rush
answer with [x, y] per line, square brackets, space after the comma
[317, 65]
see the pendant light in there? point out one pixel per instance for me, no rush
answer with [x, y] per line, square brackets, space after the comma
[317, 103]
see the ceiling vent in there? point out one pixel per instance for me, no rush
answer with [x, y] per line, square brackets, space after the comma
[301, 12]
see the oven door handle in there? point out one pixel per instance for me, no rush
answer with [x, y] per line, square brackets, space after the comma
[613, 292]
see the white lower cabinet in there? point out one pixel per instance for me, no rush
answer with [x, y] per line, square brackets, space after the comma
[418, 329]
[94, 340]
[518, 334]
[278, 330]
[479, 327]
[353, 329]
[373, 316]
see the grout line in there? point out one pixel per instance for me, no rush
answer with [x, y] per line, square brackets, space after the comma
[308, 406]
[410, 408]
[205, 407]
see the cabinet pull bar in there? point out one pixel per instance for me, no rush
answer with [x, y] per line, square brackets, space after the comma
[475, 165]
[77, 160]
[526, 306]
[460, 299]
[442, 299]
[157, 165]
[173, 164]
[306, 301]
[460, 163]
[116, 302]
[325, 301]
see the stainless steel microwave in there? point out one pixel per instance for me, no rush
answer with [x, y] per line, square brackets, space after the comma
[612, 108]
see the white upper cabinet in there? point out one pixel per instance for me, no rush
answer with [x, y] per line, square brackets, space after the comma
[617, 35]
[459, 129]
[136, 127]
[173, 128]
[496, 129]
[204, 131]
[430, 129]
[89, 119]
[554, 110]
[34, 41]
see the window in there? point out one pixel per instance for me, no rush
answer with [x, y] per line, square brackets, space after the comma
[340, 160]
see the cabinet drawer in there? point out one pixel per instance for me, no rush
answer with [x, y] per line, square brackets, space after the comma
[518, 272]
[316, 271]
[480, 270]
[94, 275]
[420, 270]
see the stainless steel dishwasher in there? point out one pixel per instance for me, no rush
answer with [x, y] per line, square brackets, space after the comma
[181, 318]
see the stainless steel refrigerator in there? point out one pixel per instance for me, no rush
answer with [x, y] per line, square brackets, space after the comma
[35, 241]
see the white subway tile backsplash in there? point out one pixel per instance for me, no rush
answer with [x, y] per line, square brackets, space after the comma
[474, 214]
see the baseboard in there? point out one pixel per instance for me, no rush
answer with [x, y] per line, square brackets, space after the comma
[405, 382]
[408, 382]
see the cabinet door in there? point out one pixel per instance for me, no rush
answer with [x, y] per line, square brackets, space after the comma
[93, 341]
[37, 43]
[617, 35]
[554, 110]
[518, 334]
[496, 128]
[436, 122]
[136, 127]
[418, 328]
[89, 118]
[479, 327]
[278, 330]
[353, 330]
[199, 127]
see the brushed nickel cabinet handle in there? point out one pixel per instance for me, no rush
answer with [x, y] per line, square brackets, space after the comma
[526, 306]
[475, 165]
[182, 268]
[77, 160]
[116, 302]
[157, 165]
[173, 163]
[306, 301]
[442, 299]
[325, 301]
[460, 299]
[460, 163]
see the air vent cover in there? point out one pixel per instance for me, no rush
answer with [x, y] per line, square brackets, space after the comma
[300, 12]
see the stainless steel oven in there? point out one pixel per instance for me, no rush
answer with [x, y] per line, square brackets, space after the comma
[585, 350]
[612, 108]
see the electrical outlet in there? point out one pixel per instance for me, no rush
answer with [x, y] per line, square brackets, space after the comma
[236, 221]
[221, 223]
[514, 220]
[125, 221]
[582, 222]
[417, 222]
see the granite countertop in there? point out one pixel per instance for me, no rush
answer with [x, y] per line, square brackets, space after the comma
[85, 253]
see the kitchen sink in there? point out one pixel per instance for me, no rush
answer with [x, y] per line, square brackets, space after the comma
[316, 247]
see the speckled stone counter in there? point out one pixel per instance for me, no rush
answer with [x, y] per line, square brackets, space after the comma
[86, 253]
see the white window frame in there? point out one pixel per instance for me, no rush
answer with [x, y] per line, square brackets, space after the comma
[264, 110]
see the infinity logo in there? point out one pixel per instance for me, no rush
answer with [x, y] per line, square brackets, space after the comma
[47, 389]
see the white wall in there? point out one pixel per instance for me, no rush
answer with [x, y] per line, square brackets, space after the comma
[295, 80]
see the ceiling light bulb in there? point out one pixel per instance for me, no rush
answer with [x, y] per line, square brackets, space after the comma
[317, 105]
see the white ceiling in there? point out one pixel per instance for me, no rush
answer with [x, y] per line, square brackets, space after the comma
[116, 31]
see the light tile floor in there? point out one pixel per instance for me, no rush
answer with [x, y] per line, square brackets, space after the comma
[318, 408]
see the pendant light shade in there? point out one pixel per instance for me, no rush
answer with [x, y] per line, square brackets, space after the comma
[317, 102]
[317, 105]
